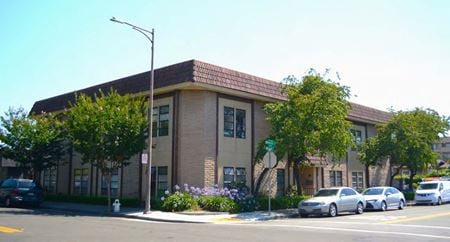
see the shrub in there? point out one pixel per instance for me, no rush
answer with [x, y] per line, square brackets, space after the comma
[409, 196]
[218, 204]
[179, 201]
[282, 202]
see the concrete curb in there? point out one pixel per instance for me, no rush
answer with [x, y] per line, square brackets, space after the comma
[157, 219]
[239, 217]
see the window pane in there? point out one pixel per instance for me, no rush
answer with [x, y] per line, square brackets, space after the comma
[240, 175]
[339, 178]
[163, 121]
[228, 116]
[332, 179]
[162, 180]
[280, 182]
[164, 128]
[228, 176]
[240, 123]
[155, 122]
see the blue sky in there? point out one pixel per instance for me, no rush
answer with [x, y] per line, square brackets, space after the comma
[391, 53]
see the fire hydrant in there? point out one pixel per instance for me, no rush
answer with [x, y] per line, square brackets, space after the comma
[116, 206]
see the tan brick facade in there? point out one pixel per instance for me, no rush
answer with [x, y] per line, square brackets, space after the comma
[196, 150]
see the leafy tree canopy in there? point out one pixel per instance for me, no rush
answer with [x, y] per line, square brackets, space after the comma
[407, 139]
[108, 130]
[35, 141]
[313, 120]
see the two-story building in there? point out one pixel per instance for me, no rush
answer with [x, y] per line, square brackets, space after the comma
[208, 121]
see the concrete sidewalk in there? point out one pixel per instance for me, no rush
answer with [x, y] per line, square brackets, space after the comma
[183, 217]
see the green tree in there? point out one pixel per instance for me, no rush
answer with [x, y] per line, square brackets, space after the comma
[35, 142]
[406, 140]
[108, 130]
[369, 155]
[312, 122]
[408, 137]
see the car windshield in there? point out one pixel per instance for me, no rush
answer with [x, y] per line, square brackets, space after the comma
[428, 186]
[326, 193]
[26, 184]
[373, 191]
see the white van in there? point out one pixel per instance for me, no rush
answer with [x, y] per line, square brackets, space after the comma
[433, 192]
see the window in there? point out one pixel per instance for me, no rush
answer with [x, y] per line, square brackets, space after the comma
[114, 183]
[357, 137]
[163, 129]
[357, 180]
[228, 176]
[280, 182]
[335, 178]
[391, 191]
[240, 175]
[240, 123]
[348, 192]
[228, 122]
[160, 180]
[231, 117]
[81, 179]
[160, 121]
[49, 180]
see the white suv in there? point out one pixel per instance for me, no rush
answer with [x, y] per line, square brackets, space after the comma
[433, 192]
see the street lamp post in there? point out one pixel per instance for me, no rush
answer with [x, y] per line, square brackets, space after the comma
[151, 38]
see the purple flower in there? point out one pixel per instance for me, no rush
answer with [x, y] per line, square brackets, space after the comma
[177, 188]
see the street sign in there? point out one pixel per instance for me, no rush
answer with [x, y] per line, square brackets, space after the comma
[144, 158]
[270, 159]
[270, 144]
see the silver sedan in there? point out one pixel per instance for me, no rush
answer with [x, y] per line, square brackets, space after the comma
[383, 198]
[332, 201]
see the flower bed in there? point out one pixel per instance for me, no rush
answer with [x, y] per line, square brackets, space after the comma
[234, 199]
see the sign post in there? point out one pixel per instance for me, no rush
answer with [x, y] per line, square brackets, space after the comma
[270, 147]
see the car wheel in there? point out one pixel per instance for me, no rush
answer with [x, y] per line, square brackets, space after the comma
[7, 202]
[401, 205]
[383, 206]
[359, 208]
[332, 212]
[303, 215]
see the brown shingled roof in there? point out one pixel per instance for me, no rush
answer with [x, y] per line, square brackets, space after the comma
[199, 72]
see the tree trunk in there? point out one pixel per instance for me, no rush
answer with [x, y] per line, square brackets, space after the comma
[392, 176]
[367, 176]
[296, 175]
[411, 178]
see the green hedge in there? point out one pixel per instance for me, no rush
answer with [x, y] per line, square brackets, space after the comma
[217, 204]
[409, 196]
[281, 202]
[126, 202]
[179, 201]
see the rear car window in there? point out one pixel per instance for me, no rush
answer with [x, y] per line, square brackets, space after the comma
[26, 184]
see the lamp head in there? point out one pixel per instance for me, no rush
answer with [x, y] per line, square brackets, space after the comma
[115, 20]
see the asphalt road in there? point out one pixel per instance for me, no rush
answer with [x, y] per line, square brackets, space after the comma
[417, 223]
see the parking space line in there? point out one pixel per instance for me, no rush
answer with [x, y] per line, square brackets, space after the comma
[380, 224]
[417, 218]
[9, 230]
[350, 230]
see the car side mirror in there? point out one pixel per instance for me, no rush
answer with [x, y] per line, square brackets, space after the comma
[343, 195]
[388, 194]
